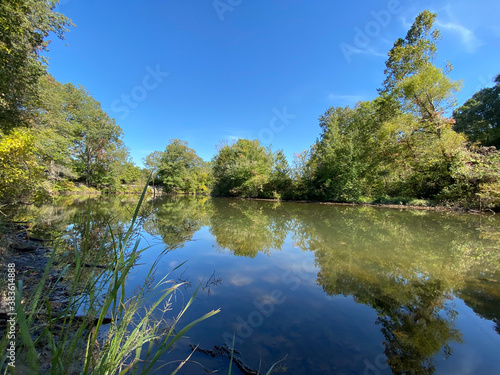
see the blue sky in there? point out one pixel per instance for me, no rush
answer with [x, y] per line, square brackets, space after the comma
[208, 71]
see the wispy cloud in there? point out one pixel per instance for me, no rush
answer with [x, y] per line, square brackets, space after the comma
[405, 23]
[231, 138]
[233, 134]
[344, 99]
[469, 40]
[367, 51]
[466, 34]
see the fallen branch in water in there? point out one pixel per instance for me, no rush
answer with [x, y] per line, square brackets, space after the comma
[224, 351]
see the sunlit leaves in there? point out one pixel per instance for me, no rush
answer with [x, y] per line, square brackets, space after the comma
[20, 172]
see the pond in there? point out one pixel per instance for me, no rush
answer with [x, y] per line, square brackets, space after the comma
[328, 289]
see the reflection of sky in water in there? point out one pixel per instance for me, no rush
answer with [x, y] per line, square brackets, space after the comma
[318, 333]
[327, 286]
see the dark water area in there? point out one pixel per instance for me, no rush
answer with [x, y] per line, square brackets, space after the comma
[328, 289]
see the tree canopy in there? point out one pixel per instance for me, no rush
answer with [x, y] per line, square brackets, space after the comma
[24, 27]
[479, 117]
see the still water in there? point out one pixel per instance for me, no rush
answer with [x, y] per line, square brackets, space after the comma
[328, 289]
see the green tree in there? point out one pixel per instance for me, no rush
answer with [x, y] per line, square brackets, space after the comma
[248, 169]
[24, 27]
[413, 53]
[479, 117]
[131, 173]
[20, 172]
[54, 133]
[152, 163]
[181, 169]
[98, 150]
[344, 159]
[426, 145]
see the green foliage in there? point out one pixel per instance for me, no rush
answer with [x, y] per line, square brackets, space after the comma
[97, 148]
[343, 159]
[476, 179]
[247, 169]
[76, 337]
[131, 174]
[20, 173]
[479, 117]
[413, 53]
[400, 144]
[24, 27]
[180, 169]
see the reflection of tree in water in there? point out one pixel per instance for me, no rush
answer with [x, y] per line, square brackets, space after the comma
[402, 264]
[483, 296]
[79, 217]
[416, 330]
[248, 227]
[176, 219]
[405, 267]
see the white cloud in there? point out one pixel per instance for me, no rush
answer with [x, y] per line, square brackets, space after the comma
[240, 280]
[406, 24]
[469, 40]
[231, 138]
[344, 99]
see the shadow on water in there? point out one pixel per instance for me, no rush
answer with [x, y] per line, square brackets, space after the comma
[409, 268]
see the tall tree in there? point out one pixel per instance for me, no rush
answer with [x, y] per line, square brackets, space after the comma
[414, 52]
[152, 163]
[24, 27]
[479, 117]
[243, 169]
[52, 129]
[181, 169]
[421, 133]
[98, 150]
[344, 159]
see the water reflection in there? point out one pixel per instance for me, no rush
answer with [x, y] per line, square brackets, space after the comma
[248, 227]
[407, 266]
[176, 219]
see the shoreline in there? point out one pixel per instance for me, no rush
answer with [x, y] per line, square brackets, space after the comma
[437, 208]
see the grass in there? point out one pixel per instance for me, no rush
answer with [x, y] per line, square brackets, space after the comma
[76, 339]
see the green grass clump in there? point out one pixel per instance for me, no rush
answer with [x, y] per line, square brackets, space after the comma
[99, 331]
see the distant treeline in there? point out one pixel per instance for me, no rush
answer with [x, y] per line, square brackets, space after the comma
[397, 148]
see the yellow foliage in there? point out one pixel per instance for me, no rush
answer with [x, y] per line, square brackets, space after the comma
[20, 172]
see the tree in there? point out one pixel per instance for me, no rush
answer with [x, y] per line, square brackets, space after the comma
[24, 27]
[248, 169]
[98, 150]
[130, 173]
[479, 117]
[344, 159]
[20, 173]
[53, 131]
[153, 164]
[421, 135]
[181, 169]
[413, 53]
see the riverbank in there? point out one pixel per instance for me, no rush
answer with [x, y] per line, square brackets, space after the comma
[421, 205]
